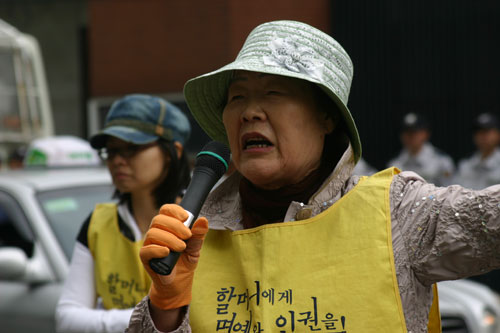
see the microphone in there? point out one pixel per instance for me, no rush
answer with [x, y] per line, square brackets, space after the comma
[211, 163]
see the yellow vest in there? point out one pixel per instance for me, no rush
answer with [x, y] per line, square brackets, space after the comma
[121, 280]
[333, 272]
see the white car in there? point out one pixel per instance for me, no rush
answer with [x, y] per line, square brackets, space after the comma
[41, 212]
[467, 306]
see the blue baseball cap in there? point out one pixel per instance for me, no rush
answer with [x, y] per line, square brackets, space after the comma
[141, 119]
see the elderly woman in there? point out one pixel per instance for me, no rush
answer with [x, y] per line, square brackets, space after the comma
[295, 242]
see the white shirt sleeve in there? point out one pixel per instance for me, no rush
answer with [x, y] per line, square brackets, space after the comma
[76, 310]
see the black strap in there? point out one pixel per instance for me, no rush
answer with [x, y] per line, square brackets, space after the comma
[83, 234]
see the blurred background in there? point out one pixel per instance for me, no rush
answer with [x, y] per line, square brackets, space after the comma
[436, 58]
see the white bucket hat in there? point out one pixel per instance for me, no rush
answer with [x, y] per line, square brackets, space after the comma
[286, 48]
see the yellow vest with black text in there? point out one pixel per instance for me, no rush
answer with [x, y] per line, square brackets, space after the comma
[121, 280]
[333, 272]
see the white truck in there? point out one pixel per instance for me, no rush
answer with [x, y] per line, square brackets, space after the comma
[25, 110]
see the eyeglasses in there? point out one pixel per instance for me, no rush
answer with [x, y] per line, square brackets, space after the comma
[126, 152]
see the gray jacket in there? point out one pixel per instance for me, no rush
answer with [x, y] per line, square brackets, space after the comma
[438, 233]
[476, 173]
[430, 163]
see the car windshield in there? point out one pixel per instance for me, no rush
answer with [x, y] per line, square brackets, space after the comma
[67, 209]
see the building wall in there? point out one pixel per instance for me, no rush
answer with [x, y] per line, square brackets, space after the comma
[96, 48]
[438, 57]
[154, 46]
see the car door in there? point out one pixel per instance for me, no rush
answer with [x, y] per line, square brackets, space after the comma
[28, 296]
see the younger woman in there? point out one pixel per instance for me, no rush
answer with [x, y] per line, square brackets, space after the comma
[142, 143]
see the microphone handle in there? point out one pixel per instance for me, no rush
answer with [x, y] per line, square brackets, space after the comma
[165, 265]
[204, 179]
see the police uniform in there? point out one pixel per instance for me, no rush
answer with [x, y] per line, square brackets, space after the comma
[476, 172]
[430, 163]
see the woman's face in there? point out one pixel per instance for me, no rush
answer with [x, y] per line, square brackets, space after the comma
[275, 129]
[140, 172]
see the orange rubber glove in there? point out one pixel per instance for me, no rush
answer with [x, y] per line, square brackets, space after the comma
[167, 233]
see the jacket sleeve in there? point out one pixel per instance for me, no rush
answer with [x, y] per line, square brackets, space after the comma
[448, 232]
[141, 321]
[76, 310]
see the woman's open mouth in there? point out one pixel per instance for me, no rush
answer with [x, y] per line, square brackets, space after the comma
[255, 141]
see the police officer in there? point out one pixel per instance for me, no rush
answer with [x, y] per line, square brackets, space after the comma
[482, 169]
[419, 155]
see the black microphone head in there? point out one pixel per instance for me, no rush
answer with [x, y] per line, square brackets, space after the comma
[214, 155]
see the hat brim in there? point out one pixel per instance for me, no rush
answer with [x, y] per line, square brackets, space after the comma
[478, 127]
[127, 134]
[206, 97]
